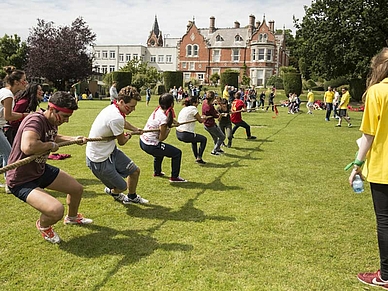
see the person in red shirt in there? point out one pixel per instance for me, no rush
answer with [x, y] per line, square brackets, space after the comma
[236, 118]
[210, 125]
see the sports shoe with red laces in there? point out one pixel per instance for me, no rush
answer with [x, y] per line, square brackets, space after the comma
[373, 279]
[48, 233]
[79, 219]
[177, 179]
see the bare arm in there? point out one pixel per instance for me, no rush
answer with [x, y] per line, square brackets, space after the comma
[31, 144]
[366, 143]
[164, 131]
[9, 115]
[123, 138]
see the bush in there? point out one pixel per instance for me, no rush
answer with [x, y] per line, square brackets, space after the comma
[229, 77]
[159, 89]
[122, 79]
[172, 79]
[275, 81]
[357, 88]
[292, 83]
[334, 83]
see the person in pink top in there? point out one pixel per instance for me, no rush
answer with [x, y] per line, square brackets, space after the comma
[236, 118]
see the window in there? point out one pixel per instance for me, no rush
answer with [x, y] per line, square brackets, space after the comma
[192, 66]
[104, 69]
[186, 76]
[104, 54]
[195, 50]
[112, 54]
[168, 58]
[153, 59]
[200, 76]
[161, 59]
[111, 68]
[216, 55]
[184, 65]
[121, 57]
[238, 38]
[215, 70]
[269, 55]
[189, 50]
[261, 55]
[135, 56]
[263, 37]
[260, 78]
[127, 57]
[235, 55]
[254, 55]
[98, 55]
[219, 38]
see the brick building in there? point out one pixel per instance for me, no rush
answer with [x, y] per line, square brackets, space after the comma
[254, 50]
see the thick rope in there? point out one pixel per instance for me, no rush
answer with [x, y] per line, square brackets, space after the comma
[31, 158]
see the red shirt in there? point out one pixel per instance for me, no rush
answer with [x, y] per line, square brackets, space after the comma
[209, 110]
[237, 105]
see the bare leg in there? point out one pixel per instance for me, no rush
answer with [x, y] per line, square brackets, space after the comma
[132, 181]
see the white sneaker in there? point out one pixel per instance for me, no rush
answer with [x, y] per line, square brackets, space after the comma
[79, 219]
[138, 200]
[121, 197]
[48, 233]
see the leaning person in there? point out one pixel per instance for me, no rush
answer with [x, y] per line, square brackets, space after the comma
[109, 164]
[38, 134]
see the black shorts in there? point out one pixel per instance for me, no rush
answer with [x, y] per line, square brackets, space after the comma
[22, 191]
[342, 112]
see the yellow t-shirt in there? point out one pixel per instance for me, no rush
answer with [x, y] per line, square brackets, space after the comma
[345, 99]
[225, 94]
[329, 95]
[374, 122]
[310, 97]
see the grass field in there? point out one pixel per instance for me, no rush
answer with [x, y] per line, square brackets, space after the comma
[275, 213]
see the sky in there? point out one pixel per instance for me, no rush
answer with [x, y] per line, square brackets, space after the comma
[118, 22]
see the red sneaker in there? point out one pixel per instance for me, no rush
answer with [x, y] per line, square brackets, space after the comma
[48, 233]
[373, 279]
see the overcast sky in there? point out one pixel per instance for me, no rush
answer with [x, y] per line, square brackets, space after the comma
[130, 22]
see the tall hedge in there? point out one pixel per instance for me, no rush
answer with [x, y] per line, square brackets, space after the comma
[357, 88]
[122, 79]
[292, 83]
[230, 78]
[172, 79]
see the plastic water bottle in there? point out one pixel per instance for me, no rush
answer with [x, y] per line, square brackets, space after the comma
[358, 184]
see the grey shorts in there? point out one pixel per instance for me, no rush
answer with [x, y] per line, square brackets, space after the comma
[112, 171]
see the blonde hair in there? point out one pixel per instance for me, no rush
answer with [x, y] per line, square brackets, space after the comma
[378, 69]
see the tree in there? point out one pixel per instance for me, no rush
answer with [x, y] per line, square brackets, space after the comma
[338, 38]
[13, 52]
[60, 54]
[142, 73]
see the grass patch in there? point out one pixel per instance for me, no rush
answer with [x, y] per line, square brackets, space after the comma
[274, 213]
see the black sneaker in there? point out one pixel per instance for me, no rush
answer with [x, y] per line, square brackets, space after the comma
[251, 137]
[200, 161]
[215, 153]
[220, 151]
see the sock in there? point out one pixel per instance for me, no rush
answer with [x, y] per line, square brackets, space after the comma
[132, 196]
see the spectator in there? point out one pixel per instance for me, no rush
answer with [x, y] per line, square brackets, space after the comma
[113, 92]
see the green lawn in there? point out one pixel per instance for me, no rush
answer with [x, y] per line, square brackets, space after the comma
[276, 213]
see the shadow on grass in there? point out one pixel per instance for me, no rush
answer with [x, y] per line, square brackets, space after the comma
[214, 165]
[130, 244]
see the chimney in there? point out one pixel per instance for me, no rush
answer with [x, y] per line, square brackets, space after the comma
[258, 24]
[272, 26]
[212, 27]
[251, 21]
[236, 24]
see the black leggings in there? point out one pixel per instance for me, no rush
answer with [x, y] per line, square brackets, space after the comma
[380, 203]
[194, 139]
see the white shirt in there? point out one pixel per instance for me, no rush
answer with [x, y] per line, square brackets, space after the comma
[109, 122]
[4, 94]
[156, 119]
[113, 93]
[187, 114]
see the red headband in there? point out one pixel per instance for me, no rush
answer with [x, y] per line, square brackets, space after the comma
[65, 110]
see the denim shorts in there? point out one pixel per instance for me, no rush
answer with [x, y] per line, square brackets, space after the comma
[22, 191]
[112, 171]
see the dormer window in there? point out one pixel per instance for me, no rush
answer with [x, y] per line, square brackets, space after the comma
[219, 38]
[263, 37]
[238, 38]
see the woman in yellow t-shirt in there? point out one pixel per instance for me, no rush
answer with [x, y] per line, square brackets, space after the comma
[373, 149]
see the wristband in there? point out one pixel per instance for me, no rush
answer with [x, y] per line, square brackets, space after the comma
[358, 162]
